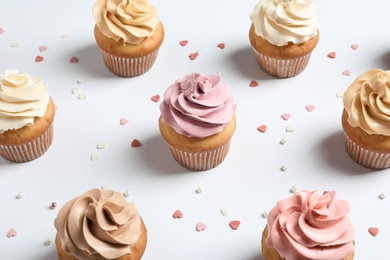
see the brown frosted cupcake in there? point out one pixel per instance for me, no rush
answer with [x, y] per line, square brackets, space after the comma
[283, 35]
[100, 224]
[308, 226]
[129, 35]
[366, 119]
[198, 120]
[26, 117]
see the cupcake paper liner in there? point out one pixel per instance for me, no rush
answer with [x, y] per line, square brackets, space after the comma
[282, 68]
[200, 161]
[129, 67]
[366, 157]
[28, 151]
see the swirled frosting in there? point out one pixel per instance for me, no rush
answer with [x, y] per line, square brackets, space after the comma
[284, 21]
[197, 105]
[22, 98]
[308, 226]
[129, 20]
[98, 224]
[367, 102]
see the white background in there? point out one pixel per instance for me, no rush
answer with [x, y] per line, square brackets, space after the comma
[248, 182]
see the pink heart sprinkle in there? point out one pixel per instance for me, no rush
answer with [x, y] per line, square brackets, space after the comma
[135, 143]
[123, 121]
[253, 84]
[332, 55]
[12, 233]
[200, 226]
[193, 56]
[73, 60]
[262, 128]
[221, 45]
[234, 224]
[156, 98]
[42, 48]
[183, 42]
[177, 214]
[346, 73]
[38, 58]
[1, 30]
[355, 46]
[373, 231]
[286, 116]
[310, 108]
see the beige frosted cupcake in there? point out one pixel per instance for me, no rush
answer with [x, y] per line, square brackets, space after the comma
[129, 34]
[366, 119]
[26, 117]
[100, 224]
[309, 226]
[283, 35]
[198, 120]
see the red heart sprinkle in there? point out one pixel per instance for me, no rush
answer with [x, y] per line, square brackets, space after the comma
[135, 143]
[177, 214]
[123, 121]
[200, 226]
[193, 56]
[156, 98]
[286, 116]
[42, 48]
[221, 45]
[373, 231]
[234, 224]
[310, 108]
[253, 84]
[355, 46]
[1, 30]
[332, 55]
[183, 42]
[73, 60]
[262, 128]
[38, 58]
[12, 233]
[346, 73]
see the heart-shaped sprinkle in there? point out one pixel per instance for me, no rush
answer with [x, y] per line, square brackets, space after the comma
[373, 231]
[177, 214]
[346, 73]
[135, 143]
[101, 145]
[43, 48]
[1, 30]
[234, 224]
[290, 128]
[332, 55]
[265, 214]
[193, 56]
[76, 90]
[225, 211]
[94, 157]
[355, 46]
[65, 35]
[38, 58]
[283, 141]
[199, 189]
[73, 60]
[253, 84]
[123, 121]
[15, 44]
[340, 94]
[12, 233]
[262, 128]
[48, 242]
[183, 42]
[310, 108]
[82, 95]
[221, 45]
[156, 98]
[200, 226]
[20, 195]
[286, 116]
[80, 81]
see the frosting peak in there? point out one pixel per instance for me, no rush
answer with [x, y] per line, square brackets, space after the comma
[308, 226]
[197, 105]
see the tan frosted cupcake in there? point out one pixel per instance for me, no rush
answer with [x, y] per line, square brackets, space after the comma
[198, 120]
[129, 35]
[283, 35]
[100, 224]
[366, 119]
[309, 226]
[26, 117]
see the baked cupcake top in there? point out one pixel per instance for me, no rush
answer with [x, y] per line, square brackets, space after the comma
[22, 98]
[367, 102]
[130, 21]
[284, 21]
[197, 105]
[308, 226]
[98, 224]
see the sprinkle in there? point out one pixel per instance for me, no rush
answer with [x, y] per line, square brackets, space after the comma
[294, 189]
[355, 46]
[283, 168]
[127, 193]
[265, 214]
[340, 94]
[199, 189]
[48, 242]
[225, 211]
[101, 145]
[253, 83]
[332, 55]
[1, 30]
[156, 98]
[177, 214]
[20, 195]
[373, 231]
[82, 95]
[310, 108]
[221, 45]
[76, 90]
[234, 224]
[73, 60]
[290, 128]
[43, 48]
[135, 143]
[346, 73]
[53, 205]
[286, 116]
[193, 56]
[200, 227]
[183, 42]
[94, 157]
[80, 81]
[15, 44]
[262, 128]
[283, 141]
[106, 187]
[65, 35]
[38, 58]
[382, 196]
[123, 121]
[12, 233]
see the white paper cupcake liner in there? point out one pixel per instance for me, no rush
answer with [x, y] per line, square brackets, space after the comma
[366, 157]
[129, 67]
[29, 151]
[200, 161]
[282, 68]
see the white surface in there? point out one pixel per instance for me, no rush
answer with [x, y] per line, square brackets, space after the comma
[248, 182]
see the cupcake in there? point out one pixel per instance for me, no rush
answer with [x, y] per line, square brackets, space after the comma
[283, 34]
[26, 117]
[366, 119]
[100, 224]
[198, 120]
[129, 35]
[308, 226]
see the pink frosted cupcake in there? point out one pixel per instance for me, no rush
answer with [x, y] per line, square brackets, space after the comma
[308, 226]
[198, 120]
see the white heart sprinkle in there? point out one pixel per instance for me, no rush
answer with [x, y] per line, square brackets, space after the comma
[76, 90]
[290, 128]
[65, 35]
[225, 211]
[48, 242]
[265, 214]
[80, 81]
[94, 157]
[20, 195]
[340, 94]
[283, 141]
[101, 145]
[82, 95]
[199, 189]
[15, 44]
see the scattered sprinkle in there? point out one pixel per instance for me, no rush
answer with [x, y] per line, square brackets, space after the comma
[101, 145]
[310, 108]
[73, 60]
[20, 195]
[127, 193]
[82, 95]
[283, 168]
[290, 128]
[38, 58]
[183, 42]
[332, 55]
[43, 48]
[265, 214]
[53, 205]
[123, 121]
[135, 143]
[286, 116]
[294, 189]
[355, 46]
[94, 157]
[199, 189]
[80, 81]
[76, 90]
[253, 84]
[177, 214]
[234, 224]
[283, 141]
[106, 187]
[48, 242]
[262, 128]
[340, 94]
[65, 35]
[382, 196]
[12, 233]
[15, 44]
[156, 98]
[193, 56]
[346, 73]
[1, 30]
[200, 227]
[221, 45]
[373, 231]
[225, 211]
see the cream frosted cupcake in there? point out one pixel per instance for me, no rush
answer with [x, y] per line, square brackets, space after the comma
[26, 117]
[283, 34]
[100, 224]
[198, 120]
[366, 119]
[308, 226]
[129, 34]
